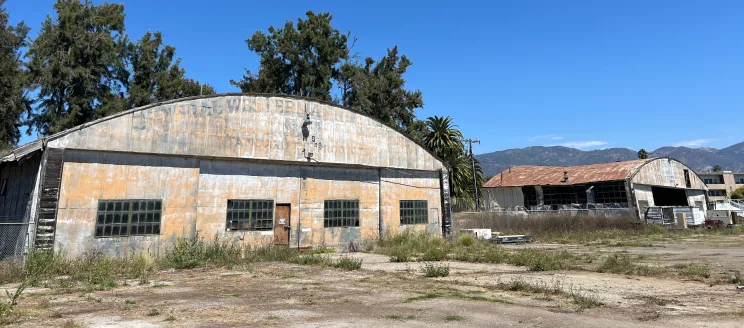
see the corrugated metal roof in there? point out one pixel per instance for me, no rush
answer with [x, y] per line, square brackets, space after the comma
[533, 175]
[22, 151]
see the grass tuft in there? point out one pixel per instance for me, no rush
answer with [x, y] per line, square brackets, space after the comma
[434, 271]
[450, 318]
[692, 270]
[347, 263]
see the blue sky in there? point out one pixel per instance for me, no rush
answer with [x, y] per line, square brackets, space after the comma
[586, 74]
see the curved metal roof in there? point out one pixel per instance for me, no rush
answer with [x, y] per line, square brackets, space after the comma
[535, 175]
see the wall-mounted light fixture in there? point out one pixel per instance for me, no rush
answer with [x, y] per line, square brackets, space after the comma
[307, 121]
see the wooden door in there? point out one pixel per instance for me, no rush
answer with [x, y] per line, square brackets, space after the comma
[281, 224]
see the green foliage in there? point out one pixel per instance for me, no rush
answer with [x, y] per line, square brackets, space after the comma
[378, 89]
[693, 270]
[77, 62]
[399, 254]
[738, 193]
[347, 263]
[444, 139]
[434, 254]
[434, 271]
[642, 154]
[717, 168]
[156, 75]
[188, 253]
[13, 80]
[624, 264]
[311, 259]
[308, 58]
[299, 60]
[467, 240]
[538, 260]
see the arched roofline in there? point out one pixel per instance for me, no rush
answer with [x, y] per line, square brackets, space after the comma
[638, 169]
[234, 94]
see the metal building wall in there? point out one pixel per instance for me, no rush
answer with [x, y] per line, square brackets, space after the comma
[195, 194]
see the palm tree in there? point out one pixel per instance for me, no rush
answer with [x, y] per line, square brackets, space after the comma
[443, 138]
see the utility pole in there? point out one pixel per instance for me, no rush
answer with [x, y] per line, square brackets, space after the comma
[475, 177]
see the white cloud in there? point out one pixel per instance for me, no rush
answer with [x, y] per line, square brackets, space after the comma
[546, 136]
[583, 144]
[693, 143]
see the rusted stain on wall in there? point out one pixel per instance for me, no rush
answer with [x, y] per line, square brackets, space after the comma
[257, 127]
[397, 185]
[667, 172]
[88, 177]
[195, 194]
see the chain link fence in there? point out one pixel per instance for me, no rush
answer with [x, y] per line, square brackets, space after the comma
[13, 240]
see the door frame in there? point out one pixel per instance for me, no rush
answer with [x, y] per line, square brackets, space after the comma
[289, 222]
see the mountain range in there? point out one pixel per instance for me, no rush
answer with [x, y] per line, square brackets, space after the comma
[699, 159]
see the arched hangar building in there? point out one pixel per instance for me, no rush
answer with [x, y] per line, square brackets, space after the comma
[637, 184]
[250, 169]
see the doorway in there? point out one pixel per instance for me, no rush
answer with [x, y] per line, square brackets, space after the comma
[282, 224]
[669, 196]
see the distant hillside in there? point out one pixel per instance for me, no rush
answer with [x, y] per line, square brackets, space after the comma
[699, 159]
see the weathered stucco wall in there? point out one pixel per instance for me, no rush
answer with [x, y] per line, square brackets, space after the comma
[667, 172]
[397, 185]
[256, 127]
[90, 176]
[194, 194]
[503, 197]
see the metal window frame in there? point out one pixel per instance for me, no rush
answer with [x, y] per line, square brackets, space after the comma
[129, 217]
[414, 212]
[340, 213]
[249, 215]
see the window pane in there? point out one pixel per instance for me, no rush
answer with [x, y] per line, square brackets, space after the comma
[250, 215]
[121, 218]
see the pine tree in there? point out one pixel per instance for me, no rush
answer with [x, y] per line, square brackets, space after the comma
[156, 75]
[77, 63]
[13, 80]
[642, 154]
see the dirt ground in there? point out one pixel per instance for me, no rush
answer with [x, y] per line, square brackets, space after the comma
[385, 294]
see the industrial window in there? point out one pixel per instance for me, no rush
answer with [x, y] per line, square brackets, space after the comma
[341, 213]
[612, 192]
[716, 192]
[715, 180]
[250, 215]
[128, 217]
[688, 183]
[414, 212]
[739, 180]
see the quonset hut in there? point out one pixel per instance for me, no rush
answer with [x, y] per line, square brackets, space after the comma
[637, 184]
[250, 169]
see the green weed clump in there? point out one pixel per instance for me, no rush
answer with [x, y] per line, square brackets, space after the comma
[312, 259]
[537, 260]
[435, 271]
[692, 270]
[624, 264]
[347, 263]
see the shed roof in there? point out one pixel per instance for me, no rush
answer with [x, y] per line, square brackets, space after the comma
[535, 175]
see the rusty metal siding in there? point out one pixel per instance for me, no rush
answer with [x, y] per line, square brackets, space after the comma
[397, 185]
[667, 172]
[268, 128]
